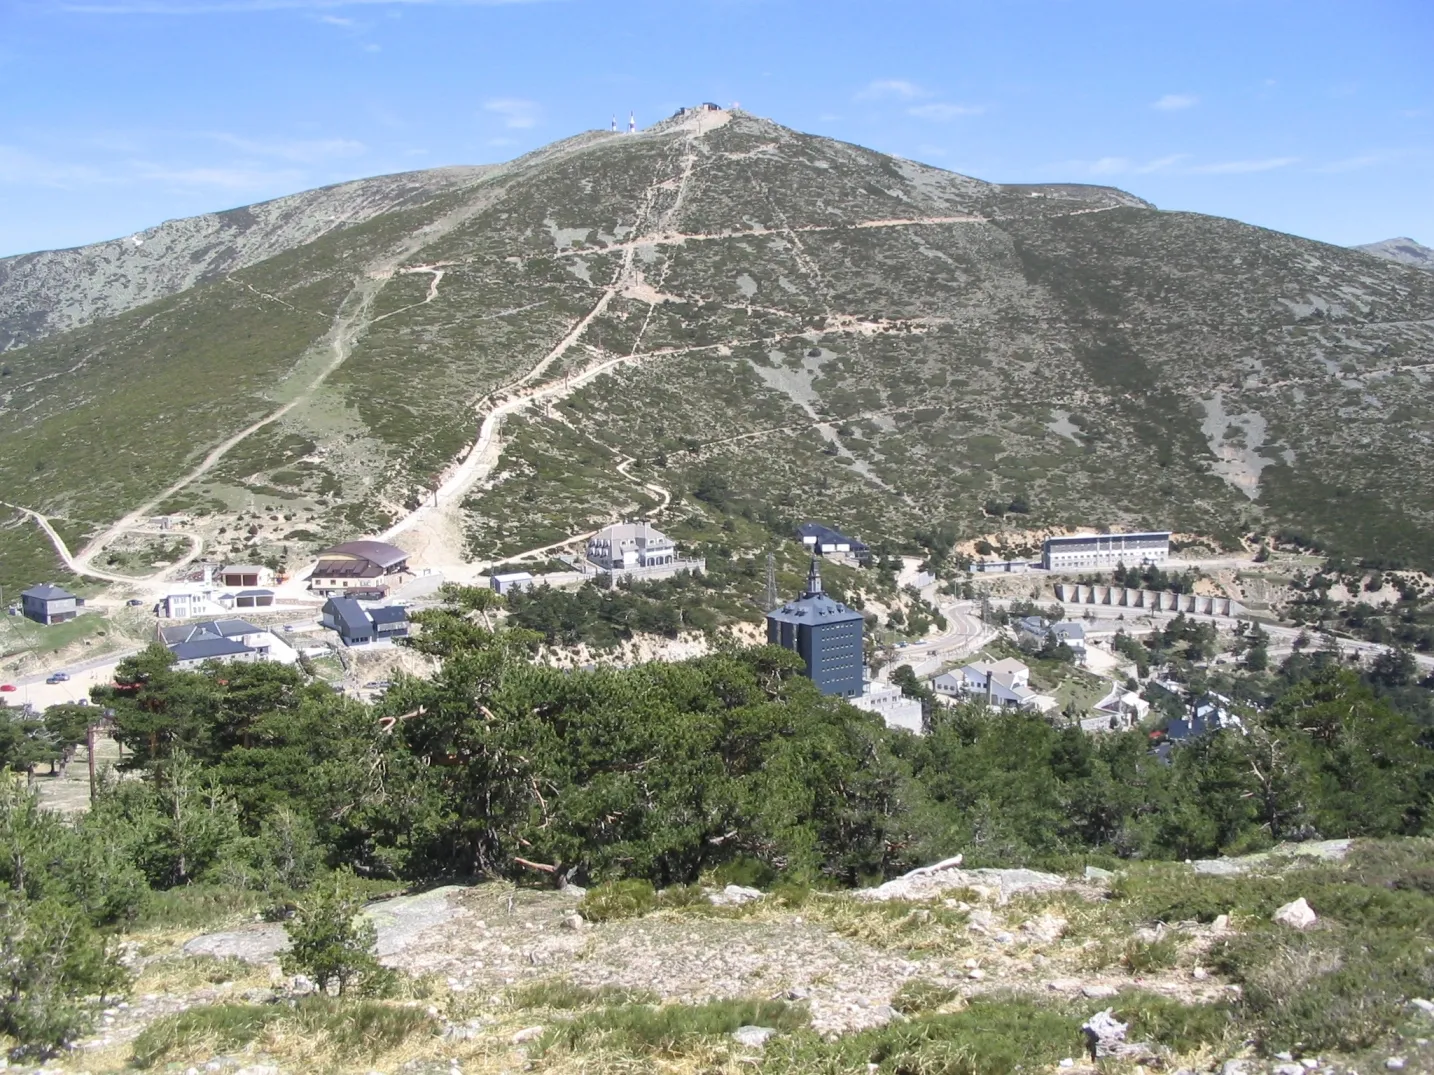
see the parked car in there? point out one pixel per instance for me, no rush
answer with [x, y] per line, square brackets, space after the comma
[7, 686]
[134, 602]
[59, 677]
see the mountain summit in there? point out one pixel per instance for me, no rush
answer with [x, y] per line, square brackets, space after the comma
[1405, 251]
[717, 317]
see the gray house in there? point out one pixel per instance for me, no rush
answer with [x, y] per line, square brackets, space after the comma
[358, 626]
[191, 655]
[49, 604]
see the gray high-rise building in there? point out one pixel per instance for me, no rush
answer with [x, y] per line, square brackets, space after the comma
[826, 634]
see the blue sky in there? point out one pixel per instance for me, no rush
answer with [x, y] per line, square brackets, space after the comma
[1314, 117]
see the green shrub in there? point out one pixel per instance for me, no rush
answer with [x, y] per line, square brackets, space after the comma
[55, 970]
[1179, 1027]
[618, 899]
[1145, 957]
[330, 943]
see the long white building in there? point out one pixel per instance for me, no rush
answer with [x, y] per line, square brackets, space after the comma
[1105, 550]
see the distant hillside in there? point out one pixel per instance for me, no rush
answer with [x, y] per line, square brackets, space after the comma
[757, 323]
[62, 289]
[1404, 251]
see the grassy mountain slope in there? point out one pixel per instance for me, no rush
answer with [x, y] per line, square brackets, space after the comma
[55, 290]
[805, 327]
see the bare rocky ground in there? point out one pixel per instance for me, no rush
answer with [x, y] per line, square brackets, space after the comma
[846, 957]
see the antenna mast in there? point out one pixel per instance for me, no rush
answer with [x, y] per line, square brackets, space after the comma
[771, 581]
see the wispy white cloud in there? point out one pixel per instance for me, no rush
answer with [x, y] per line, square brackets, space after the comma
[1174, 102]
[336, 20]
[1108, 166]
[516, 112]
[234, 179]
[299, 151]
[1353, 164]
[23, 168]
[213, 7]
[887, 89]
[943, 112]
[1265, 164]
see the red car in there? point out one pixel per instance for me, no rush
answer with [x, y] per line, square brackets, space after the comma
[7, 686]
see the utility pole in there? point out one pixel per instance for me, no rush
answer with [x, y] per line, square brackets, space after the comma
[771, 581]
[90, 757]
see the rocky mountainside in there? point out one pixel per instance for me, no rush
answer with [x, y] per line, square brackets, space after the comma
[1404, 251]
[55, 290]
[750, 321]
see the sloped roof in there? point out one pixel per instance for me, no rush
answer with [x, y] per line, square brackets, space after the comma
[378, 552]
[192, 632]
[46, 592]
[209, 648]
[352, 618]
[256, 593]
[388, 614]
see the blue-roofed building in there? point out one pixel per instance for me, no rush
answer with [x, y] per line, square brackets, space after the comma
[826, 634]
[191, 655]
[823, 540]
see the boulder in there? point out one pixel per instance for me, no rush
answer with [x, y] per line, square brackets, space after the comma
[528, 1033]
[1099, 992]
[1296, 915]
[753, 1037]
[734, 895]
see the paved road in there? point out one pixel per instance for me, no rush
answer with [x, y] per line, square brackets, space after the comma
[965, 634]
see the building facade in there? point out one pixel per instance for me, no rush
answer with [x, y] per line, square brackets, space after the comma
[825, 633]
[630, 545]
[359, 569]
[511, 581]
[1105, 550]
[49, 604]
[826, 541]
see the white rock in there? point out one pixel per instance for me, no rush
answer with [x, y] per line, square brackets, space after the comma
[976, 974]
[1104, 1034]
[1289, 1068]
[734, 895]
[1233, 1067]
[1063, 985]
[1045, 928]
[1296, 915]
[1422, 1005]
[1395, 1063]
[1199, 974]
[1067, 1063]
[1222, 922]
[753, 1037]
[573, 920]
[528, 1033]
[1310, 1063]
[1099, 992]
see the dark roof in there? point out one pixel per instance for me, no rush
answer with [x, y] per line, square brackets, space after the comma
[255, 593]
[827, 535]
[388, 614]
[352, 618]
[191, 632]
[814, 607]
[209, 648]
[346, 569]
[378, 552]
[46, 592]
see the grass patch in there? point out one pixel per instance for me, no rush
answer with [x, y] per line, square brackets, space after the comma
[920, 995]
[559, 994]
[315, 1026]
[645, 1029]
[197, 907]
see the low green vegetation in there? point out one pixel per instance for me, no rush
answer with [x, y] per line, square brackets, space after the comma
[322, 1026]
